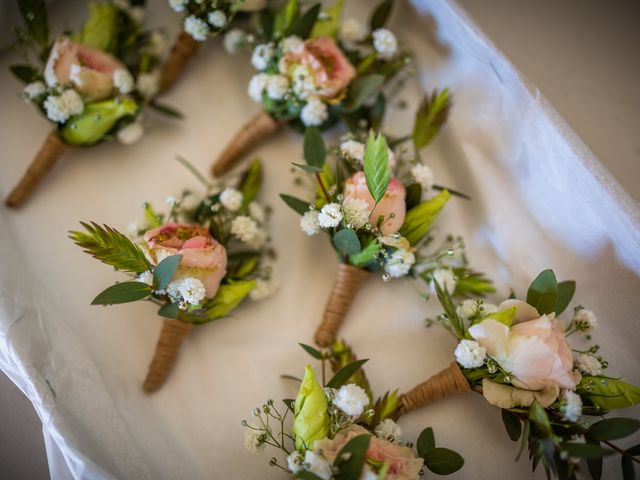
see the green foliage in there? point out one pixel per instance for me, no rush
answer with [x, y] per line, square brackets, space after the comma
[351, 458]
[376, 166]
[443, 461]
[367, 255]
[34, 14]
[386, 407]
[361, 89]
[97, 120]
[381, 14]
[227, 298]
[101, 28]
[431, 115]
[342, 355]
[586, 450]
[165, 270]
[504, 316]
[284, 18]
[299, 206]
[328, 23]
[166, 110]
[251, 182]
[420, 218]
[314, 148]
[512, 425]
[25, 73]
[612, 428]
[471, 284]
[346, 242]
[150, 216]
[543, 292]
[414, 195]
[169, 310]
[566, 291]
[124, 292]
[303, 26]
[111, 247]
[346, 372]
[426, 441]
[317, 354]
[450, 310]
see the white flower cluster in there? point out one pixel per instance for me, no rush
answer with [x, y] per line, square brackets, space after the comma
[385, 43]
[330, 215]
[309, 222]
[399, 263]
[470, 354]
[187, 290]
[262, 55]
[234, 40]
[389, 430]
[473, 308]
[34, 90]
[571, 405]
[148, 84]
[60, 107]
[353, 31]
[314, 113]
[423, 175]
[587, 363]
[351, 399]
[310, 462]
[264, 288]
[354, 150]
[178, 5]
[254, 437]
[123, 81]
[196, 27]
[231, 199]
[584, 320]
[130, 134]
[356, 212]
[217, 19]
[245, 228]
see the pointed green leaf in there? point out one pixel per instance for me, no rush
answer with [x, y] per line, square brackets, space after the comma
[366, 255]
[419, 219]
[314, 149]
[34, 14]
[303, 26]
[328, 23]
[345, 373]
[124, 292]
[362, 89]
[284, 18]
[512, 424]
[165, 109]
[165, 270]
[628, 468]
[376, 166]
[317, 354]
[228, 298]
[251, 182]
[25, 73]
[543, 292]
[300, 206]
[381, 14]
[431, 115]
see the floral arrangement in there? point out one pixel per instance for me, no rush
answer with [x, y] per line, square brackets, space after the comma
[313, 70]
[201, 21]
[517, 355]
[378, 210]
[196, 263]
[92, 85]
[337, 431]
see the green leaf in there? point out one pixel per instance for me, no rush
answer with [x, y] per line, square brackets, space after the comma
[586, 450]
[443, 461]
[345, 373]
[610, 393]
[251, 182]
[628, 470]
[165, 109]
[386, 407]
[419, 219]
[505, 316]
[228, 298]
[285, 17]
[34, 14]
[633, 451]
[512, 425]
[414, 195]
[538, 417]
[169, 310]
[595, 467]
[565, 294]
[124, 292]
[376, 166]
[328, 23]
[25, 73]
[346, 242]
[381, 14]
[342, 355]
[165, 270]
[304, 25]
[307, 168]
[351, 458]
[314, 149]
[361, 89]
[305, 475]
[317, 354]
[450, 310]
[431, 115]
[426, 441]
[111, 247]
[543, 292]
[150, 216]
[613, 428]
[366, 255]
[97, 120]
[299, 206]
[100, 31]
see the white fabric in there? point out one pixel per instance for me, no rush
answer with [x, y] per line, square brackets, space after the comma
[540, 199]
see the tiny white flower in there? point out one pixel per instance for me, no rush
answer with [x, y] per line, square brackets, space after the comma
[389, 430]
[330, 215]
[356, 212]
[196, 27]
[234, 40]
[146, 277]
[352, 149]
[254, 438]
[130, 134]
[385, 43]
[467, 309]
[588, 364]
[217, 18]
[262, 55]
[264, 289]
[34, 90]
[399, 263]
[231, 199]
[317, 465]
[445, 278]
[585, 319]
[470, 354]
[171, 201]
[191, 290]
[292, 44]
[257, 86]
[353, 30]
[303, 83]
[309, 222]
[178, 5]
[294, 461]
[277, 86]
[351, 399]
[256, 211]
[314, 113]
[245, 228]
[423, 175]
[60, 107]
[157, 43]
[148, 84]
[123, 81]
[571, 405]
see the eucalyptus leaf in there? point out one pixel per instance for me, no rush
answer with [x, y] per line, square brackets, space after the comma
[345, 373]
[361, 89]
[512, 424]
[346, 242]
[443, 461]
[613, 428]
[165, 270]
[426, 441]
[303, 26]
[595, 467]
[25, 73]
[124, 292]
[381, 14]
[169, 310]
[628, 469]
[586, 450]
[314, 149]
[543, 292]
[351, 458]
[306, 475]
[299, 206]
[566, 290]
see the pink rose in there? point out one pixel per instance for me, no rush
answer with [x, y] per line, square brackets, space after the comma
[89, 69]
[534, 349]
[403, 463]
[392, 206]
[202, 256]
[329, 70]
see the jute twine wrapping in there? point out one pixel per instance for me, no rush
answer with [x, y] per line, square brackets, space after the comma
[260, 128]
[172, 335]
[448, 382]
[344, 290]
[183, 49]
[51, 150]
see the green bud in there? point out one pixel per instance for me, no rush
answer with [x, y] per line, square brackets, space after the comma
[100, 29]
[97, 120]
[310, 417]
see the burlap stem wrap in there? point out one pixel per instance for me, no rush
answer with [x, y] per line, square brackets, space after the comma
[448, 382]
[260, 128]
[172, 335]
[183, 49]
[51, 150]
[344, 290]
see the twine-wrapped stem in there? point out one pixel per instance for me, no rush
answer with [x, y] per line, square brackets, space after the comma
[50, 152]
[345, 288]
[172, 335]
[260, 128]
[448, 382]
[183, 49]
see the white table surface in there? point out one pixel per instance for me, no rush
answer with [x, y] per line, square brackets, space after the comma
[580, 55]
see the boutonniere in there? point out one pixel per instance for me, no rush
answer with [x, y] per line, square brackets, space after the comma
[196, 263]
[92, 85]
[313, 71]
[519, 357]
[378, 209]
[201, 20]
[336, 430]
